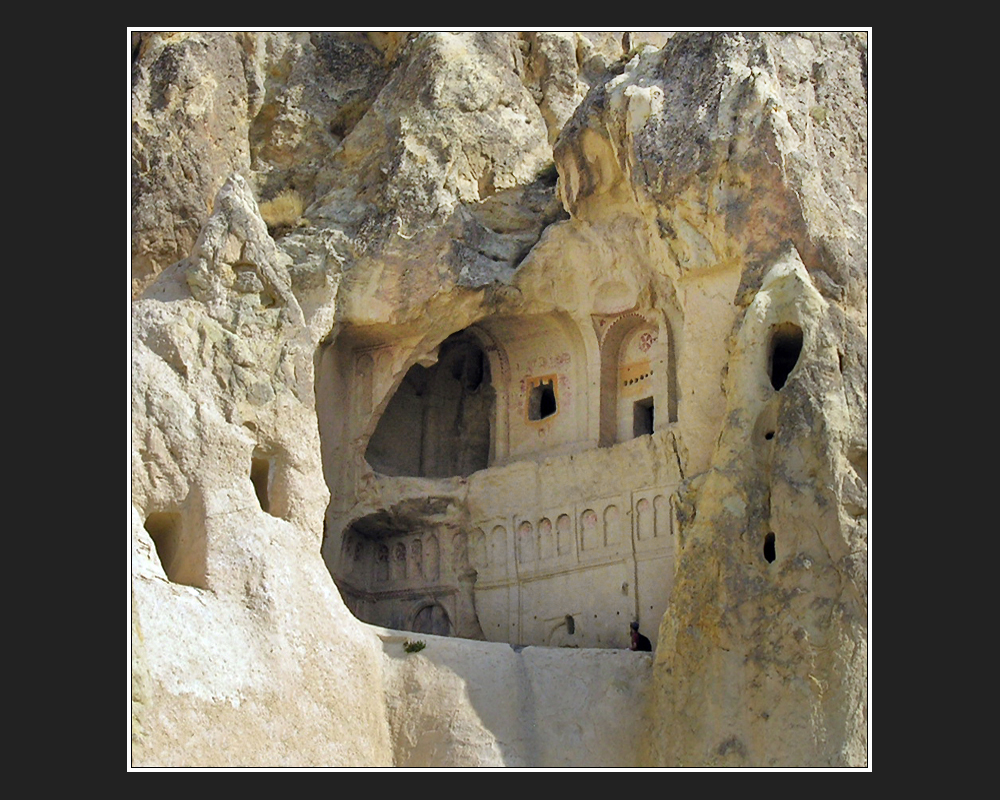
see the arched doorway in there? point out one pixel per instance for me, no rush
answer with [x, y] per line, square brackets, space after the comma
[432, 619]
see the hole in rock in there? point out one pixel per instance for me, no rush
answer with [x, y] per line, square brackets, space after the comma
[570, 624]
[437, 424]
[181, 561]
[164, 530]
[542, 400]
[642, 417]
[769, 555]
[769, 435]
[786, 346]
[260, 473]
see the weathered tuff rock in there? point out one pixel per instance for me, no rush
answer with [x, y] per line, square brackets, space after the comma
[758, 161]
[442, 374]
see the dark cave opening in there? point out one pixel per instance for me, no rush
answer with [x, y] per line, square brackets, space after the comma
[786, 346]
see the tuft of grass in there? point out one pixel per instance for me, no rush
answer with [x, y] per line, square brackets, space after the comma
[283, 210]
[415, 646]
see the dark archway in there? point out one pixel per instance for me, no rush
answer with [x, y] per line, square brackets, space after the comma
[431, 619]
[437, 424]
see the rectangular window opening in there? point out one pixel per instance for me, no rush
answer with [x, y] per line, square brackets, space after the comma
[542, 400]
[642, 417]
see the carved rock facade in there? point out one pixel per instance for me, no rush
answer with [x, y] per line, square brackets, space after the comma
[556, 337]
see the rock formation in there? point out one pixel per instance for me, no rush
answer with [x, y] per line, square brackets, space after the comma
[455, 353]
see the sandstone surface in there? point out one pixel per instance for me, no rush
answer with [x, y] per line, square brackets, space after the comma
[496, 342]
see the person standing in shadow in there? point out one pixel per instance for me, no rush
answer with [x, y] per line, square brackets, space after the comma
[639, 642]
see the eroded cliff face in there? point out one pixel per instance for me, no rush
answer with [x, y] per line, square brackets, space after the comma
[517, 338]
[749, 154]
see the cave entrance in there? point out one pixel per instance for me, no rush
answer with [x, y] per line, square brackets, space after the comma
[786, 346]
[403, 568]
[437, 424]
